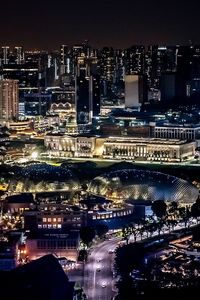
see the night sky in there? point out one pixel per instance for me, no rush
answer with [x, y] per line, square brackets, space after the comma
[42, 24]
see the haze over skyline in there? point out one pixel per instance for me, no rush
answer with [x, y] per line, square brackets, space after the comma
[45, 25]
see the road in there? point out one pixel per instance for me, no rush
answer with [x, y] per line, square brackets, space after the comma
[98, 268]
[98, 277]
[191, 162]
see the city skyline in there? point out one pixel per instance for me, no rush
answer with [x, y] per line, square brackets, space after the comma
[107, 23]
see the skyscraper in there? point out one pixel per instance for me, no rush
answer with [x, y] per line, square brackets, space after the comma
[19, 54]
[63, 58]
[168, 85]
[9, 99]
[87, 97]
[134, 91]
[5, 54]
[134, 58]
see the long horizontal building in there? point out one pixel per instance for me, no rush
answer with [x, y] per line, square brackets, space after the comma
[120, 147]
[173, 131]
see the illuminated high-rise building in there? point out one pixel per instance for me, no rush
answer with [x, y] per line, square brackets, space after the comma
[19, 54]
[87, 97]
[5, 54]
[134, 58]
[9, 99]
[63, 58]
[107, 70]
[168, 86]
[135, 91]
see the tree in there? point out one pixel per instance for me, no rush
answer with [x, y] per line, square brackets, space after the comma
[184, 214]
[129, 257]
[84, 187]
[126, 232]
[82, 255]
[87, 234]
[101, 230]
[195, 209]
[151, 228]
[135, 232]
[173, 208]
[171, 224]
[159, 208]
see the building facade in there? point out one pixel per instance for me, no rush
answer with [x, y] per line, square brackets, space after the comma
[186, 132]
[9, 99]
[60, 244]
[144, 149]
[148, 149]
[47, 219]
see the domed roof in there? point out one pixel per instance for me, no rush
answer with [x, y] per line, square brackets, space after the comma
[143, 185]
[44, 177]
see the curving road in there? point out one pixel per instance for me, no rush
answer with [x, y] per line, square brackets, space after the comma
[98, 276]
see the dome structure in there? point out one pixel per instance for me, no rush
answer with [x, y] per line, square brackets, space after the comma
[143, 185]
[43, 177]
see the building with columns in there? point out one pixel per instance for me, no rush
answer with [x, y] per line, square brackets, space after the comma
[143, 149]
[172, 131]
[148, 149]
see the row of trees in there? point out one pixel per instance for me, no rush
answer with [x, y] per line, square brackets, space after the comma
[163, 216]
[88, 233]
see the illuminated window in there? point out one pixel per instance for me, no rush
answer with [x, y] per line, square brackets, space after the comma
[44, 220]
[54, 219]
[59, 226]
[59, 219]
[49, 219]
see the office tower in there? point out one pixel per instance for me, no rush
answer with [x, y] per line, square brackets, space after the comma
[9, 99]
[107, 70]
[134, 58]
[184, 71]
[19, 55]
[195, 73]
[63, 54]
[63, 59]
[26, 73]
[5, 55]
[158, 60]
[36, 103]
[83, 100]
[135, 91]
[168, 86]
[95, 81]
[52, 70]
[87, 97]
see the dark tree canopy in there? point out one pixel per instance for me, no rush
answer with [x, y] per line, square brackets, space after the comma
[159, 208]
[87, 234]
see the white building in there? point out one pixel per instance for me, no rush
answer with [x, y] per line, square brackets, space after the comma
[145, 149]
[132, 91]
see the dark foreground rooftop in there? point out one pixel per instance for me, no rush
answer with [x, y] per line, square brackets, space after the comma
[40, 279]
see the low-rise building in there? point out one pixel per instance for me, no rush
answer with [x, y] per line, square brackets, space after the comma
[153, 149]
[176, 131]
[19, 203]
[58, 243]
[59, 219]
[148, 149]
[10, 251]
